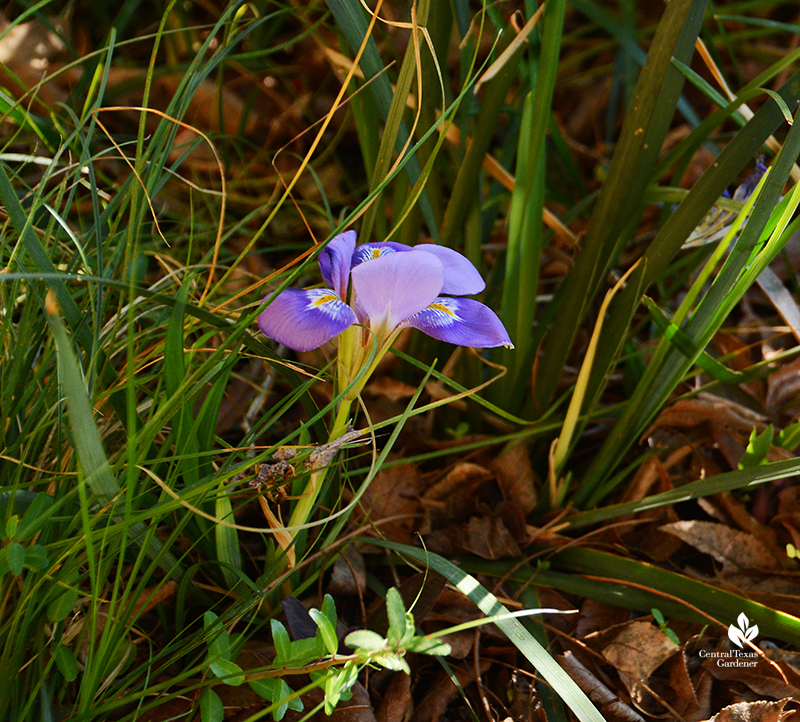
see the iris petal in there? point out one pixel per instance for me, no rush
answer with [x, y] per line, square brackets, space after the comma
[304, 320]
[461, 321]
[395, 286]
[461, 278]
[335, 259]
[371, 251]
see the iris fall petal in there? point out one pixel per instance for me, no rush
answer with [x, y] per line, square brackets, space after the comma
[304, 320]
[371, 251]
[461, 321]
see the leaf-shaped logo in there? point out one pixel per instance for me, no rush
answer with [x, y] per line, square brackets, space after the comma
[744, 632]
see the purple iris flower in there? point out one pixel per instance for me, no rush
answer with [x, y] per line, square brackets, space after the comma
[385, 287]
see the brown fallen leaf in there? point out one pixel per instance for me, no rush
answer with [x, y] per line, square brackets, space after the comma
[26, 52]
[742, 518]
[463, 477]
[706, 407]
[396, 705]
[704, 691]
[238, 698]
[739, 356]
[653, 476]
[356, 709]
[394, 493]
[730, 547]
[639, 649]
[783, 388]
[636, 652]
[607, 702]
[765, 677]
[349, 574]
[753, 712]
[389, 388]
[516, 477]
[486, 536]
[683, 698]
[598, 617]
[789, 512]
[434, 704]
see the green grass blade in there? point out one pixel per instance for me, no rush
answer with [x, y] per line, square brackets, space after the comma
[729, 481]
[394, 122]
[227, 539]
[350, 16]
[684, 597]
[525, 226]
[639, 586]
[98, 476]
[466, 190]
[620, 201]
[669, 365]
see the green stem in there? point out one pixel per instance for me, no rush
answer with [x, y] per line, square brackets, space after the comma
[305, 505]
[352, 356]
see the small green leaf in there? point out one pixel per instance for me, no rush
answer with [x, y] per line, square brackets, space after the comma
[329, 610]
[325, 630]
[658, 616]
[672, 636]
[338, 686]
[34, 516]
[62, 605]
[392, 661]
[789, 438]
[276, 690]
[11, 526]
[36, 557]
[304, 651]
[219, 652]
[365, 639]
[220, 646]
[227, 671]
[757, 449]
[396, 612]
[211, 709]
[16, 558]
[66, 662]
[280, 638]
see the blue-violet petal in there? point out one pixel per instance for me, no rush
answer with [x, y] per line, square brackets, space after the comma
[461, 278]
[304, 320]
[463, 322]
[334, 262]
[371, 251]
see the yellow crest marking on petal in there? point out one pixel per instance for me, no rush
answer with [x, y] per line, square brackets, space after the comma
[441, 307]
[322, 300]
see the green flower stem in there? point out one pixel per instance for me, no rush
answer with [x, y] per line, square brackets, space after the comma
[353, 355]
